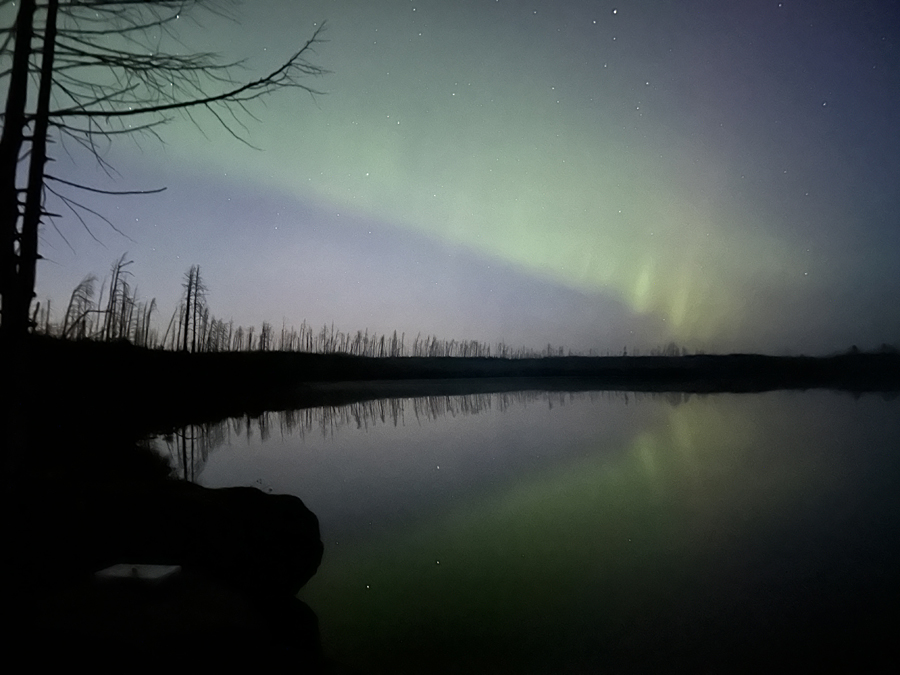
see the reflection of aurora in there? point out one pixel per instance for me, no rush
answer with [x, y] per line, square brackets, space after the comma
[562, 528]
[191, 446]
[731, 509]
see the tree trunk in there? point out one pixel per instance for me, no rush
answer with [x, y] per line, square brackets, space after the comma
[31, 219]
[187, 309]
[15, 317]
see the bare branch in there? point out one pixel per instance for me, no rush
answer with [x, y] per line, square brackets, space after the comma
[52, 219]
[68, 129]
[73, 205]
[104, 192]
[65, 201]
[283, 77]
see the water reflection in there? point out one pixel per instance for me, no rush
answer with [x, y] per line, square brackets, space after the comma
[189, 447]
[579, 533]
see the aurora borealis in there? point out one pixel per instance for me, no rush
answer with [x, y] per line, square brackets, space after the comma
[590, 174]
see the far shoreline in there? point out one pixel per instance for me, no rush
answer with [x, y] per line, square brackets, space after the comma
[155, 390]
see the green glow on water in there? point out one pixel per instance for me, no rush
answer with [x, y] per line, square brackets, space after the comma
[583, 558]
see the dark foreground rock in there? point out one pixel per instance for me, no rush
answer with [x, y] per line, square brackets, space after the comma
[243, 555]
[248, 540]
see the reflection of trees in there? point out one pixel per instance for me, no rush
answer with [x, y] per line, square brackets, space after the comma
[189, 447]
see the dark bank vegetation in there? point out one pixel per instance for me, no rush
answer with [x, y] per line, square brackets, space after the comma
[157, 389]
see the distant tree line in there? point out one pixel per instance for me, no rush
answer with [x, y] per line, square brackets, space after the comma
[113, 311]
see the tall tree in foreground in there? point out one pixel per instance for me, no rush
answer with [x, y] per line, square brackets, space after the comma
[102, 69]
[90, 71]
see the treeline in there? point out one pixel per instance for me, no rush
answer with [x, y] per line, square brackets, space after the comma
[112, 311]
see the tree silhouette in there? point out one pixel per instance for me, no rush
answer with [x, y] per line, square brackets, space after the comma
[101, 70]
[194, 303]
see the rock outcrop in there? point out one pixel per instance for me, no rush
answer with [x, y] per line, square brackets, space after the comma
[244, 555]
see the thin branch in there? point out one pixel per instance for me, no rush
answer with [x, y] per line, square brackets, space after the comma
[71, 203]
[279, 78]
[229, 129]
[148, 127]
[52, 220]
[105, 192]
[84, 224]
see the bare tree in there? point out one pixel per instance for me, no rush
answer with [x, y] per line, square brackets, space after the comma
[103, 69]
[266, 336]
[120, 301]
[194, 308]
[75, 322]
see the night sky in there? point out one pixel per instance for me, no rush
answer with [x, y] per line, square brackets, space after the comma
[598, 175]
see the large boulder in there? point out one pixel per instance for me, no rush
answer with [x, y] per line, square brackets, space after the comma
[251, 541]
[263, 543]
[243, 554]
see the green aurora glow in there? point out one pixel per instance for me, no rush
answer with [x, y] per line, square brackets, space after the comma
[726, 172]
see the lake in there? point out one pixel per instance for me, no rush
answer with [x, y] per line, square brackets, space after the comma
[551, 532]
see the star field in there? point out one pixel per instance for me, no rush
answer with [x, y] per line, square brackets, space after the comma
[593, 174]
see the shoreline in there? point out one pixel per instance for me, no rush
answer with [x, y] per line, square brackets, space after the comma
[154, 390]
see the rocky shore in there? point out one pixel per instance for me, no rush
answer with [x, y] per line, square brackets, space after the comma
[235, 559]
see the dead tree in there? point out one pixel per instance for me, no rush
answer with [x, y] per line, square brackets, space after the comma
[194, 305]
[102, 70]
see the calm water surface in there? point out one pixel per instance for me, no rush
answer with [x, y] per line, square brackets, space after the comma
[580, 533]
